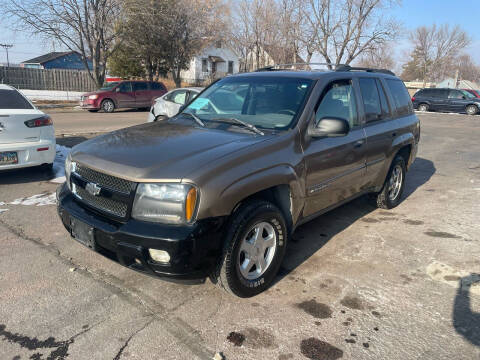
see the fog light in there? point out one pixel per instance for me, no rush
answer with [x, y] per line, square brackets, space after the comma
[159, 255]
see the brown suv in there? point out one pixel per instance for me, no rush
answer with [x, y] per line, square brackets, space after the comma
[218, 189]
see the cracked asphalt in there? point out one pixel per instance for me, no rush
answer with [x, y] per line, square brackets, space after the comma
[357, 283]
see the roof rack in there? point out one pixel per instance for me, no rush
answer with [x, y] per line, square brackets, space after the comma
[353, 68]
[337, 67]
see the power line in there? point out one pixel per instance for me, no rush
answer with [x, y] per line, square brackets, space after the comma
[6, 47]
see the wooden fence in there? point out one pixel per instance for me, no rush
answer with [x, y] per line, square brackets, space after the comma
[53, 79]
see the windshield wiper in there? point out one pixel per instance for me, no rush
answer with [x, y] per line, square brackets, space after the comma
[194, 117]
[241, 122]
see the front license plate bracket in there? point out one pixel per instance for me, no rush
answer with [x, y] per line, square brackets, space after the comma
[83, 233]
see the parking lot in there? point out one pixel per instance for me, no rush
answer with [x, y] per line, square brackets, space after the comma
[357, 283]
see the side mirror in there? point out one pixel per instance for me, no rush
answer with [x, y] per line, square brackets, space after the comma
[117, 89]
[330, 127]
[464, 97]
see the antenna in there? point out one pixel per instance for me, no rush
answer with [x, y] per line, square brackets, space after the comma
[6, 47]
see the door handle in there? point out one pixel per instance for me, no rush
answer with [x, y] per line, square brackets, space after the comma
[358, 143]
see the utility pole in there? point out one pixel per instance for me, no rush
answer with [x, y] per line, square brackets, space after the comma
[6, 47]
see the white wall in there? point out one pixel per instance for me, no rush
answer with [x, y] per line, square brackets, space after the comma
[51, 95]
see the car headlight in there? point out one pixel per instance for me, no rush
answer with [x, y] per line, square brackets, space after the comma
[69, 168]
[93, 97]
[165, 203]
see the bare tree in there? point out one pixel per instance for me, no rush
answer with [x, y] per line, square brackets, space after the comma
[84, 26]
[436, 49]
[380, 58]
[342, 30]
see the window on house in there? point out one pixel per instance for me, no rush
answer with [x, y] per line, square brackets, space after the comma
[230, 67]
[218, 44]
[204, 65]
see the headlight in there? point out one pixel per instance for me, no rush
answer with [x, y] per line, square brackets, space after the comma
[69, 167]
[93, 97]
[165, 203]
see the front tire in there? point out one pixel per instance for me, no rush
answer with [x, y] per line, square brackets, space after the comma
[391, 193]
[108, 106]
[255, 244]
[471, 110]
[423, 107]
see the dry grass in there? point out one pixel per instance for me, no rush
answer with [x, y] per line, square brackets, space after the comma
[170, 84]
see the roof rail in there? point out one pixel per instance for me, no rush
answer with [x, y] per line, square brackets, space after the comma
[278, 67]
[353, 68]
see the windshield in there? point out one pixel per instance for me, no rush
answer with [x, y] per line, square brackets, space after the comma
[467, 94]
[109, 86]
[264, 102]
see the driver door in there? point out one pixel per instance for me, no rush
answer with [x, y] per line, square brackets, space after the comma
[335, 166]
[124, 95]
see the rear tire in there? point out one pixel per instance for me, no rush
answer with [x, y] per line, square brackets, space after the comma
[47, 167]
[471, 110]
[391, 193]
[108, 106]
[255, 242]
[423, 107]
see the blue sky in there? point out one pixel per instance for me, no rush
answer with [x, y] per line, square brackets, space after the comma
[411, 13]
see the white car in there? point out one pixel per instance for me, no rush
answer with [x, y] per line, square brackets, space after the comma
[27, 137]
[169, 104]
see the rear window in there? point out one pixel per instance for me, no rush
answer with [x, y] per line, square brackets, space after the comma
[12, 99]
[401, 98]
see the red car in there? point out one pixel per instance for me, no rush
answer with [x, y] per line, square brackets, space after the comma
[123, 94]
[475, 93]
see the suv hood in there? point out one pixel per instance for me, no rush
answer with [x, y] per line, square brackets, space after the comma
[159, 151]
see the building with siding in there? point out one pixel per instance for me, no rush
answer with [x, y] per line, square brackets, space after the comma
[70, 60]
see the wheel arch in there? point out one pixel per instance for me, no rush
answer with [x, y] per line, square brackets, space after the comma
[111, 99]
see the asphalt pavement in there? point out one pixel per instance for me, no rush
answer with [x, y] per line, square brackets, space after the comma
[357, 283]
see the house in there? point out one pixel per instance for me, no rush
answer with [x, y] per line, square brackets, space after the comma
[268, 55]
[458, 84]
[57, 60]
[216, 60]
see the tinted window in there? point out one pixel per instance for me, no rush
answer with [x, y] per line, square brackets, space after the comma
[138, 86]
[338, 101]
[157, 86]
[401, 98]
[383, 100]
[109, 86]
[371, 99]
[11, 99]
[125, 87]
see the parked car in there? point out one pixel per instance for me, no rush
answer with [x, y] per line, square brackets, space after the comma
[448, 100]
[27, 137]
[124, 94]
[169, 104]
[475, 93]
[218, 189]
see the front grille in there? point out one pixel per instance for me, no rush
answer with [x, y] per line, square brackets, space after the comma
[101, 203]
[110, 182]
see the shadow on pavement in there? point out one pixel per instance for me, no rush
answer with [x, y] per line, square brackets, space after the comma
[26, 175]
[312, 236]
[71, 141]
[465, 321]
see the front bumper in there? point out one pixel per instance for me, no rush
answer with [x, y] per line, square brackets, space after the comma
[193, 250]
[90, 104]
[29, 155]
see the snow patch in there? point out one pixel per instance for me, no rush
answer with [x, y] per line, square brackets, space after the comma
[37, 200]
[59, 164]
[3, 210]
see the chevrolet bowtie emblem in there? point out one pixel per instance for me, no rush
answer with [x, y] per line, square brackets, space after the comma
[93, 189]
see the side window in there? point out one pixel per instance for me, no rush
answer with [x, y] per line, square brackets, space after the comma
[179, 97]
[125, 87]
[383, 100]
[157, 86]
[139, 86]
[442, 94]
[400, 95]
[455, 94]
[371, 99]
[338, 101]
[193, 95]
